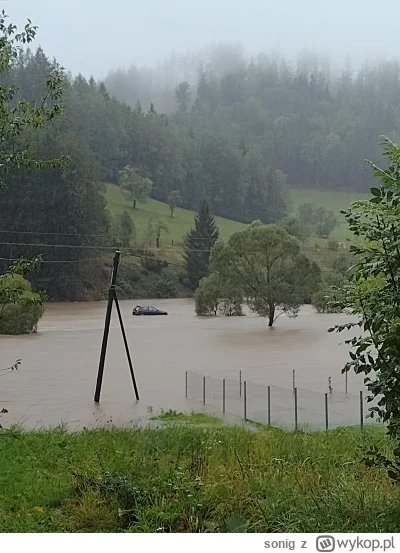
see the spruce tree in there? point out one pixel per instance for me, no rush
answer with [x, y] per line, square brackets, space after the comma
[198, 244]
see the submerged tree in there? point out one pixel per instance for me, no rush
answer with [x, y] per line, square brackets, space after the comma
[20, 308]
[324, 298]
[216, 295]
[198, 244]
[267, 265]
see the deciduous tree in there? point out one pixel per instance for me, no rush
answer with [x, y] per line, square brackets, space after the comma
[266, 263]
[138, 187]
[174, 199]
[160, 227]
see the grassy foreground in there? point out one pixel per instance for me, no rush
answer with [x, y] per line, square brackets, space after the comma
[194, 479]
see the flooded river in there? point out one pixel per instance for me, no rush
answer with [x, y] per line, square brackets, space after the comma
[55, 382]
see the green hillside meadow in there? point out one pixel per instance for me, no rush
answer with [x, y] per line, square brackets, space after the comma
[334, 201]
[178, 226]
[183, 218]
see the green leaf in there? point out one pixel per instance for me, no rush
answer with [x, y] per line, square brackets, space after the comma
[375, 191]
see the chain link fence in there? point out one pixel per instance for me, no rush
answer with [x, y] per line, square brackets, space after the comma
[291, 409]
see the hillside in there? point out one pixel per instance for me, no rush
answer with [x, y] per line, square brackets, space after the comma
[183, 218]
[178, 226]
[334, 201]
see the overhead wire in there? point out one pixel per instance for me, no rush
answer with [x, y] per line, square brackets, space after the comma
[87, 247]
[95, 259]
[53, 261]
[73, 246]
[4, 231]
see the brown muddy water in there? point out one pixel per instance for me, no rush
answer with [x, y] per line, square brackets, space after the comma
[56, 379]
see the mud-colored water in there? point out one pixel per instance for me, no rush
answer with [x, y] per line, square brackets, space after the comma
[55, 382]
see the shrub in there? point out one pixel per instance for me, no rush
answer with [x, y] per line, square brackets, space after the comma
[295, 227]
[215, 298]
[21, 315]
[149, 279]
[343, 263]
[322, 300]
[167, 285]
[207, 296]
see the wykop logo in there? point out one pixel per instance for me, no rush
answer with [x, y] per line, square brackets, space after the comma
[325, 544]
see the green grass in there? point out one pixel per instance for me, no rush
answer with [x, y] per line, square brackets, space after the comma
[334, 201]
[192, 418]
[178, 226]
[194, 479]
[183, 218]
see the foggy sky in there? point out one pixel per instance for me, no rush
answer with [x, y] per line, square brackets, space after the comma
[93, 36]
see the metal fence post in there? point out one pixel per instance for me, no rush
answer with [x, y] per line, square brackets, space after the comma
[223, 396]
[245, 401]
[361, 411]
[269, 405]
[204, 390]
[186, 384]
[295, 408]
[326, 413]
[240, 383]
[294, 380]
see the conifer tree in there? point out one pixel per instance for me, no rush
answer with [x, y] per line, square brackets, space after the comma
[199, 243]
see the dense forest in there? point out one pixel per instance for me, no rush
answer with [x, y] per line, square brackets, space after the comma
[237, 132]
[315, 124]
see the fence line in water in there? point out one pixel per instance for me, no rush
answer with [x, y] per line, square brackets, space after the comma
[276, 406]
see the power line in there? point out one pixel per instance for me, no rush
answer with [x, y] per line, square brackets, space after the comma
[73, 246]
[52, 261]
[104, 235]
[57, 246]
[59, 233]
[96, 259]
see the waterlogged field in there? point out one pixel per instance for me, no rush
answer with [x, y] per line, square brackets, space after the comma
[151, 466]
[55, 382]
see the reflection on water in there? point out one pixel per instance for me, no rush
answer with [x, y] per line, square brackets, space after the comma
[55, 383]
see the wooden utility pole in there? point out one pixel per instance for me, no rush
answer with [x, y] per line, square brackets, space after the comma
[112, 296]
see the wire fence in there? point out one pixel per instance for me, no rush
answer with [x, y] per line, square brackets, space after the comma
[292, 409]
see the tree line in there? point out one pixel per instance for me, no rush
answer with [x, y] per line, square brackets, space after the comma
[315, 125]
[232, 138]
[62, 209]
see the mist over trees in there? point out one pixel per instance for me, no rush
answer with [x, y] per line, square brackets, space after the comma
[237, 132]
[313, 123]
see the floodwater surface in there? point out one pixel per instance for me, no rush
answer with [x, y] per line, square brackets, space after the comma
[56, 379]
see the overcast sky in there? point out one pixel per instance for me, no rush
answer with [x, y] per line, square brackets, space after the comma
[93, 36]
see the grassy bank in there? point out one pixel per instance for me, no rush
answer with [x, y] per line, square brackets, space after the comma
[194, 479]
